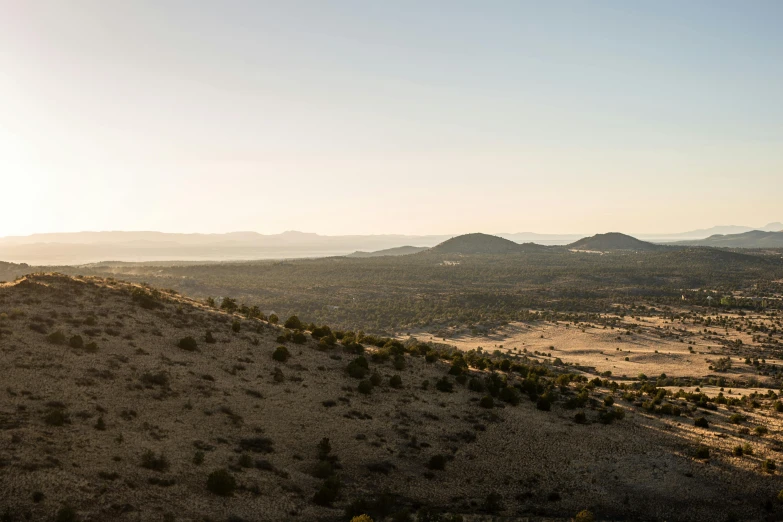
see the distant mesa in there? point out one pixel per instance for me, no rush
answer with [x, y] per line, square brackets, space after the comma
[399, 251]
[612, 241]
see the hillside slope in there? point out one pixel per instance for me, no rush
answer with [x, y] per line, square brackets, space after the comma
[130, 428]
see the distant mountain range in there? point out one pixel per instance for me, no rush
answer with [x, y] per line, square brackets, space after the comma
[751, 239]
[91, 247]
[399, 251]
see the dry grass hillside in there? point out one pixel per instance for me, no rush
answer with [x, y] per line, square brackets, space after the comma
[109, 412]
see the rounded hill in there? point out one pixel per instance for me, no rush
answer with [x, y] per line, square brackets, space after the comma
[612, 241]
[477, 244]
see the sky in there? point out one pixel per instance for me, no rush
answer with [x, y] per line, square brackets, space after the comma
[370, 117]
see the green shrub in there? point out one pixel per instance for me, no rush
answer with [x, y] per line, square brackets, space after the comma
[188, 343]
[476, 385]
[150, 460]
[510, 395]
[209, 338]
[236, 326]
[376, 379]
[198, 458]
[221, 483]
[66, 514]
[76, 342]
[701, 422]
[543, 403]
[299, 337]
[293, 323]
[768, 466]
[56, 337]
[487, 402]
[580, 417]
[358, 368]
[281, 354]
[57, 417]
[584, 516]
[445, 385]
[395, 381]
[328, 492]
[702, 452]
[437, 462]
[274, 319]
[365, 387]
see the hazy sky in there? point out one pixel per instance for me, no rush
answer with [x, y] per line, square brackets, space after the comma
[390, 116]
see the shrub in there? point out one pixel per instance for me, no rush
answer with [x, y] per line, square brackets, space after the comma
[281, 354]
[736, 418]
[365, 387]
[188, 343]
[66, 514]
[100, 424]
[358, 368]
[209, 338]
[76, 341]
[493, 503]
[198, 458]
[221, 483]
[768, 466]
[580, 417]
[701, 422]
[245, 461]
[761, 430]
[56, 337]
[376, 379]
[57, 417]
[155, 379]
[236, 326]
[543, 404]
[293, 323]
[91, 347]
[228, 304]
[362, 518]
[437, 462]
[584, 516]
[737, 451]
[395, 381]
[150, 460]
[487, 402]
[476, 385]
[510, 395]
[328, 492]
[444, 384]
[274, 319]
[702, 452]
[299, 337]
